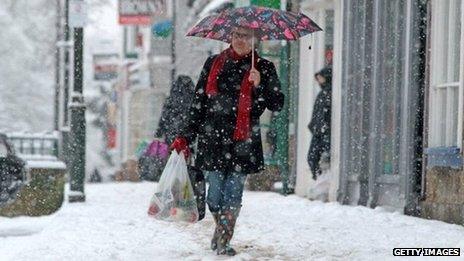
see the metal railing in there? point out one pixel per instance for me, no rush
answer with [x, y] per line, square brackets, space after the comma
[34, 145]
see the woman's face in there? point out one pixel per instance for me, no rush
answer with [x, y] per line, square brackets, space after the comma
[320, 79]
[242, 40]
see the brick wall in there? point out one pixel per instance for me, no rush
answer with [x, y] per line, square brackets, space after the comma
[43, 195]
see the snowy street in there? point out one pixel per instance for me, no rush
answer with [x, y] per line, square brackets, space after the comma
[113, 225]
[354, 103]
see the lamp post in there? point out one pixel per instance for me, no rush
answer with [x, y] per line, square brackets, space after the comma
[173, 42]
[77, 107]
[62, 74]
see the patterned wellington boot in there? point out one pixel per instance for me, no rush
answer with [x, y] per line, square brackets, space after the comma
[227, 222]
[216, 231]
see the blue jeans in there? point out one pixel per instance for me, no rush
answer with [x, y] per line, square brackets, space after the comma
[225, 190]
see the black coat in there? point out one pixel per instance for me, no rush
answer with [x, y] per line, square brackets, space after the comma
[213, 119]
[176, 108]
[322, 110]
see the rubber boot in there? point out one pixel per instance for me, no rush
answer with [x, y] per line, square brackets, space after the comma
[216, 231]
[226, 228]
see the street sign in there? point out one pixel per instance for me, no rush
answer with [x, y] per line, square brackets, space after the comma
[77, 13]
[141, 12]
[105, 66]
[267, 3]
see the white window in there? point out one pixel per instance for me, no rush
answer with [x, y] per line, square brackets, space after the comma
[446, 76]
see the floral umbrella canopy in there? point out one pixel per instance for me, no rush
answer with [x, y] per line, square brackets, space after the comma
[268, 23]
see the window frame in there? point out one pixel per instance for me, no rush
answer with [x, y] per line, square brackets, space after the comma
[461, 79]
[439, 154]
[436, 107]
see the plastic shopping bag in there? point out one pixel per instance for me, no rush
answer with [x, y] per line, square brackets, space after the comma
[174, 198]
[320, 188]
[199, 189]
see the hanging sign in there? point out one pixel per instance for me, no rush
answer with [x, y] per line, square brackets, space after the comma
[77, 13]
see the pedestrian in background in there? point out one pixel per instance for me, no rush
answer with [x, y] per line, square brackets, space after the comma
[175, 108]
[320, 122]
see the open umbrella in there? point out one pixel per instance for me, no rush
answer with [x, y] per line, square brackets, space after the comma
[269, 23]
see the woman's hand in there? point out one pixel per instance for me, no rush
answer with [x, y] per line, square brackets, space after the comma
[255, 77]
[180, 144]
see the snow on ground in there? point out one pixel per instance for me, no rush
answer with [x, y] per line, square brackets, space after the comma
[113, 225]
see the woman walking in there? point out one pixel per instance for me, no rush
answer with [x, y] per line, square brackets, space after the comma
[230, 96]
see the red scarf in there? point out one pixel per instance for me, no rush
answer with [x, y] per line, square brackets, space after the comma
[243, 125]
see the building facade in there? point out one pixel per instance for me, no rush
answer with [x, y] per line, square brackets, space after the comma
[383, 74]
[397, 131]
[151, 61]
[442, 179]
[378, 61]
[316, 51]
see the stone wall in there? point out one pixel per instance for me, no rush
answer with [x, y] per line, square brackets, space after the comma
[263, 181]
[444, 195]
[43, 195]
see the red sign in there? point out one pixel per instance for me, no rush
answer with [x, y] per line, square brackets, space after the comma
[111, 138]
[135, 20]
[328, 56]
[105, 66]
[140, 12]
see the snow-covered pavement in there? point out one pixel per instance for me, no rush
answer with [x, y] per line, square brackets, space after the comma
[113, 225]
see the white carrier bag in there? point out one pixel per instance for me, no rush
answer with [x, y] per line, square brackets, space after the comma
[174, 199]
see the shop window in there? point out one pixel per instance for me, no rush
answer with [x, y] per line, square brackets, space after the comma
[389, 72]
[445, 82]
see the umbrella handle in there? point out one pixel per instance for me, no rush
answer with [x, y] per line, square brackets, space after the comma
[253, 50]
